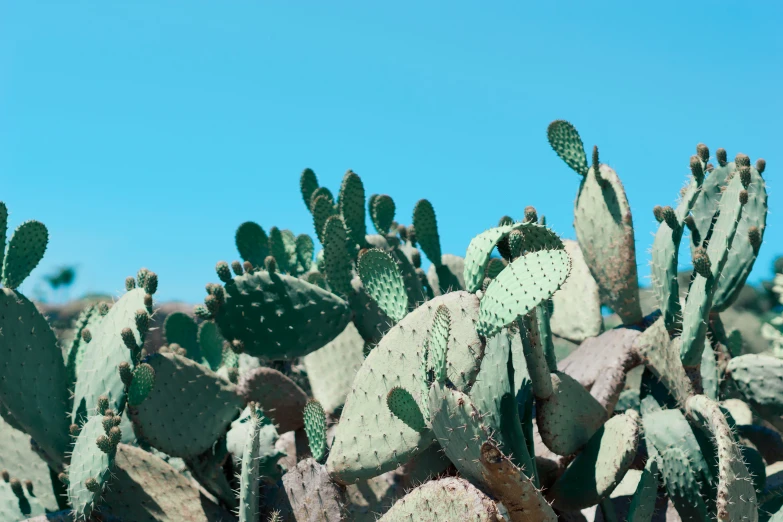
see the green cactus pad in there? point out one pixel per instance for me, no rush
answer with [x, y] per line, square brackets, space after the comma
[280, 397]
[684, 469]
[369, 439]
[32, 374]
[352, 207]
[211, 343]
[323, 209]
[141, 385]
[25, 250]
[88, 319]
[308, 183]
[315, 427]
[88, 461]
[312, 495]
[383, 282]
[577, 304]
[278, 316]
[252, 243]
[168, 494]
[661, 356]
[534, 237]
[305, 248]
[382, 210]
[277, 249]
[759, 378]
[20, 460]
[331, 369]
[600, 467]
[604, 229]
[448, 498]
[337, 256]
[521, 287]
[427, 230]
[180, 328]
[643, 501]
[736, 496]
[249, 477]
[569, 417]
[565, 141]
[710, 373]
[3, 232]
[402, 404]
[188, 408]
[16, 505]
[495, 266]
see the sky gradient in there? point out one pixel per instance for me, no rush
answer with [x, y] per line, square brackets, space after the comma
[143, 134]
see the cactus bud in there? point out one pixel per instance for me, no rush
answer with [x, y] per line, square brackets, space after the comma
[696, 169]
[761, 165]
[86, 335]
[104, 444]
[403, 232]
[237, 346]
[223, 272]
[710, 167]
[63, 478]
[531, 216]
[505, 221]
[73, 429]
[28, 485]
[248, 267]
[416, 258]
[92, 485]
[744, 172]
[721, 156]
[128, 338]
[236, 266]
[115, 436]
[130, 283]
[103, 404]
[212, 288]
[691, 224]
[148, 302]
[151, 283]
[126, 374]
[754, 236]
[6, 476]
[212, 304]
[103, 308]
[109, 412]
[703, 152]
[270, 264]
[485, 284]
[16, 487]
[107, 422]
[202, 312]
[142, 319]
[743, 197]
[141, 277]
[701, 263]
[670, 217]
[658, 213]
[741, 160]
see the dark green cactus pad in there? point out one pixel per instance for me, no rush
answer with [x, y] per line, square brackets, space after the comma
[337, 256]
[277, 249]
[369, 439]
[521, 287]
[33, 381]
[402, 404]
[280, 397]
[104, 354]
[383, 282]
[25, 250]
[534, 237]
[684, 469]
[15, 504]
[20, 460]
[427, 230]
[315, 428]
[3, 232]
[89, 462]
[325, 192]
[305, 248]
[599, 468]
[180, 328]
[308, 183]
[410, 276]
[141, 385]
[188, 408]
[331, 369]
[448, 498]
[643, 501]
[322, 209]
[352, 208]
[577, 304]
[565, 141]
[382, 211]
[368, 317]
[250, 474]
[604, 229]
[211, 343]
[759, 379]
[279, 316]
[569, 417]
[252, 243]
[168, 495]
[494, 267]
[736, 496]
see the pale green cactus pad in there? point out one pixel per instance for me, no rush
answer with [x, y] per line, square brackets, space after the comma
[449, 498]
[577, 314]
[383, 282]
[90, 471]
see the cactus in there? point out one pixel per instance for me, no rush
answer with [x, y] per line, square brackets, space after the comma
[249, 502]
[445, 499]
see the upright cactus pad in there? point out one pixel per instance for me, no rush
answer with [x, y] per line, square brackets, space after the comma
[210, 343]
[25, 250]
[249, 477]
[91, 465]
[577, 314]
[759, 378]
[180, 328]
[252, 243]
[448, 498]
[521, 287]
[427, 230]
[383, 282]
[278, 316]
[33, 383]
[565, 141]
[315, 427]
[382, 210]
[352, 207]
[337, 256]
[188, 408]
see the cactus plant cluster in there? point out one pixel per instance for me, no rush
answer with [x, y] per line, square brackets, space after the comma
[352, 385]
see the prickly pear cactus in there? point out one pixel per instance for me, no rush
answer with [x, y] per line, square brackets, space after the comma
[445, 499]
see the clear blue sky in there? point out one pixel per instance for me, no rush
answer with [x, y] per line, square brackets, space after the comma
[143, 133]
